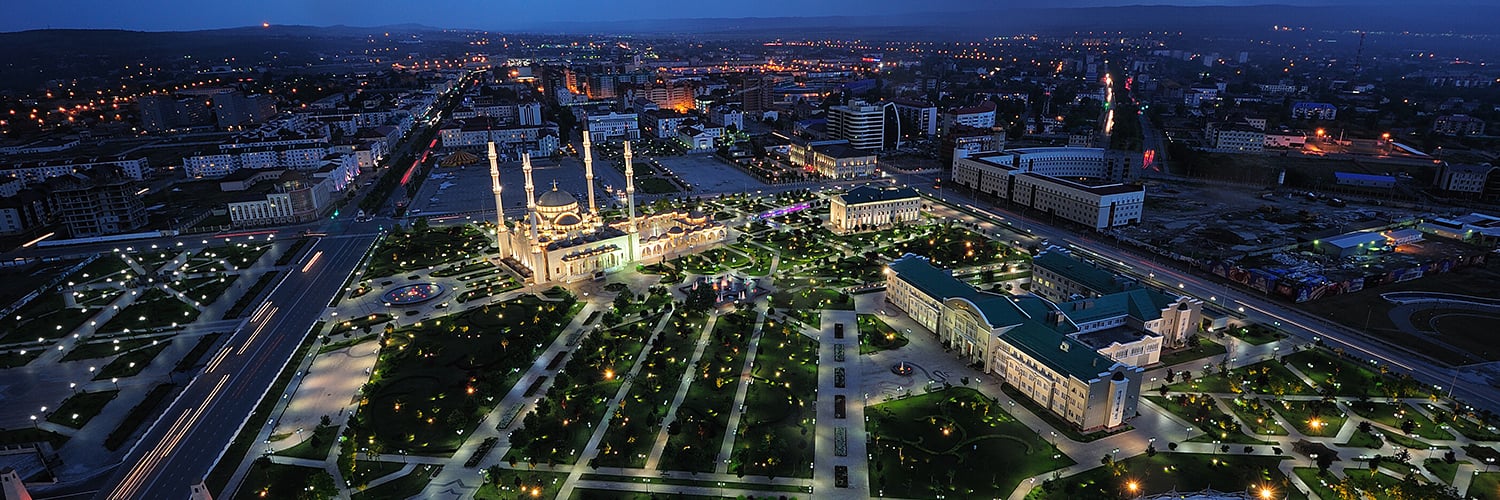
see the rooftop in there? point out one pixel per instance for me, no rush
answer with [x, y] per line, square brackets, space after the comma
[1102, 189]
[1090, 277]
[871, 194]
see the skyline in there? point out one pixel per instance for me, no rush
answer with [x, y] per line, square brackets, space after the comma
[508, 14]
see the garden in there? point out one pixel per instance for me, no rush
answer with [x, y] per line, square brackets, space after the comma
[423, 246]
[153, 309]
[638, 420]
[1158, 473]
[1266, 377]
[1343, 377]
[776, 427]
[1200, 410]
[876, 336]
[955, 442]
[702, 417]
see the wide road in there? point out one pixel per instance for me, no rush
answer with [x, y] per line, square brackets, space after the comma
[190, 436]
[1471, 388]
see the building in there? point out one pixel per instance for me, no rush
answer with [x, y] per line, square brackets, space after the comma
[698, 138]
[918, 117]
[1350, 244]
[1059, 277]
[860, 123]
[1025, 341]
[1314, 111]
[661, 123]
[22, 211]
[134, 168]
[559, 240]
[1285, 139]
[869, 207]
[164, 113]
[1367, 181]
[971, 141]
[842, 161]
[676, 96]
[97, 201]
[1458, 125]
[1475, 228]
[1469, 181]
[513, 140]
[1235, 138]
[980, 116]
[297, 197]
[755, 95]
[612, 126]
[728, 117]
[1082, 185]
[296, 156]
[11, 486]
[234, 109]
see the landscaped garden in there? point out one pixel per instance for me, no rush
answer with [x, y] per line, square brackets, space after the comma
[804, 303]
[78, 409]
[694, 436]
[1158, 473]
[422, 246]
[153, 309]
[45, 317]
[1200, 410]
[509, 484]
[1266, 377]
[269, 480]
[1318, 418]
[436, 379]
[776, 428]
[953, 247]
[1258, 415]
[638, 420]
[876, 336]
[131, 363]
[956, 443]
[1402, 417]
[205, 290]
[1343, 377]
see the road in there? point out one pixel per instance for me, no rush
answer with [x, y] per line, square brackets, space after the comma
[190, 436]
[1471, 388]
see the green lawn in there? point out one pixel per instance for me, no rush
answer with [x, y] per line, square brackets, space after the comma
[268, 480]
[1361, 439]
[103, 348]
[45, 317]
[131, 363]
[702, 418]
[952, 247]
[804, 303]
[18, 358]
[1266, 377]
[638, 420]
[956, 443]
[1257, 333]
[1442, 469]
[510, 484]
[1396, 415]
[153, 309]
[1166, 472]
[78, 409]
[1313, 418]
[1344, 377]
[876, 336]
[1204, 349]
[1257, 414]
[206, 290]
[1066, 428]
[1201, 411]
[419, 398]
[1470, 426]
[316, 444]
[657, 185]
[776, 428]
[1485, 486]
[404, 251]
[401, 488]
[711, 261]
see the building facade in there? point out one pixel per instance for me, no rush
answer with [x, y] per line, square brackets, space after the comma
[860, 123]
[96, 202]
[1083, 185]
[918, 118]
[868, 207]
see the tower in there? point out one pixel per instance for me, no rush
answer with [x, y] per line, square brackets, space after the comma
[199, 492]
[502, 234]
[588, 171]
[538, 269]
[11, 487]
[630, 200]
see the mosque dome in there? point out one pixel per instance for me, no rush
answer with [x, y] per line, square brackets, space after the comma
[556, 199]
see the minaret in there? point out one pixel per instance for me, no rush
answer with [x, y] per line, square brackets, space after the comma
[630, 200]
[502, 234]
[588, 171]
[538, 269]
[11, 487]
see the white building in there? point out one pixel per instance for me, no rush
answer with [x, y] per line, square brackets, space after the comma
[860, 123]
[134, 168]
[662, 123]
[979, 116]
[613, 126]
[1465, 179]
[1314, 111]
[1082, 185]
[727, 117]
[917, 117]
[872, 207]
[699, 138]
[1294, 140]
[841, 161]
[1236, 138]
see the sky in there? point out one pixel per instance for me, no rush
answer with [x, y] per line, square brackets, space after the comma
[171, 15]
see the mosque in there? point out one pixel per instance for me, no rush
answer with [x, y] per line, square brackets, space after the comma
[559, 241]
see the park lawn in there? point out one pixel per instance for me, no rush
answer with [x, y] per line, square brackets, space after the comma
[407, 486]
[1485, 485]
[96, 298]
[105, 269]
[693, 438]
[1205, 415]
[1313, 418]
[419, 397]
[1257, 414]
[952, 247]
[365, 471]
[46, 317]
[419, 248]
[711, 261]
[1343, 377]
[657, 185]
[103, 349]
[131, 363]
[151, 260]
[954, 442]
[561, 423]
[508, 484]
[1466, 425]
[1266, 377]
[19, 358]
[776, 427]
[1362, 439]
[1204, 349]
[238, 255]
[760, 259]
[78, 409]
[316, 446]
[359, 323]
[798, 247]
[1405, 442]
[875, 335]
[638, 420]
[1443, 470]
[206, 290]
[1396, 414]
[1167, 472]
[1319, 484]
[812, 299]
[153, 309]
[1257, 333]
[269, 480]
[462, 268]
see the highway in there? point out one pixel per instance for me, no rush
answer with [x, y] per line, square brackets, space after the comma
[181, 447]
[1305, 328]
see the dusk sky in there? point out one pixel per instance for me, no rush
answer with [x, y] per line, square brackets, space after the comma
[165, 15]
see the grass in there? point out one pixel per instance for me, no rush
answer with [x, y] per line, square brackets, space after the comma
[131, 363]
[1258, 415]
[1165, 472]
[953, 442]
[1396, 415]
[250, 296]
[711, 261]
[703, 416]
[1266, 377]
[269, 480]
[875, 335]
[1485, 486]
[1204, 349]
[657, 185]
[1362, 439]
[45, 317]
[1312, 418]
[153, 309]
[19, 358]
[507, 484]
[775, 432]
[952, 247]
[316, 446]
[205, 343]
[405, 251]
[26, 435]
[1343, 377]
[78, 409]
[1201, 411]
[138, 415]
[637, 422]
[103, 349]
[360, 323]
[439, 377]
[402, 487]
[1257, 333]
[1444, 471]
[206, 290]
[365, 471]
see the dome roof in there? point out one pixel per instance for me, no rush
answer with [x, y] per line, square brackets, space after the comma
[555, 198]
[459, 158]
[568, 220]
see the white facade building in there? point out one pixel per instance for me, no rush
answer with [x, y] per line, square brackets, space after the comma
[872, 207]
[860, 123]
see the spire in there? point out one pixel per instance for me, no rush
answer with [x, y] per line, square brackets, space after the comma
[630, 185]
[500, 229]
[588, 171]
[538, 269]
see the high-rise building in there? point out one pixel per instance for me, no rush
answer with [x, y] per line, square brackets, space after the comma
[98, 201]
[160, 113]
[232, 108]
[755, 92]
[918, 118]
[860, 123]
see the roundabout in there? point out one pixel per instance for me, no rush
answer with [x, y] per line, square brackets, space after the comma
[411, 294]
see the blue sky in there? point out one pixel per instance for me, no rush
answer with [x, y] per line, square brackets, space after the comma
[161, 15]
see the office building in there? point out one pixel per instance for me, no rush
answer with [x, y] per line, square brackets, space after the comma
[164, 113]
[755, 95]
[918, 118]
[869, 207]
[1086, 186]
[1314, 111]
[862, 124]
[1480, 182]
[1458, 125]
[980, 116]
[234, 109]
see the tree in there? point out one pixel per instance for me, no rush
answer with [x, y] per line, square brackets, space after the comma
[1325, 460]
